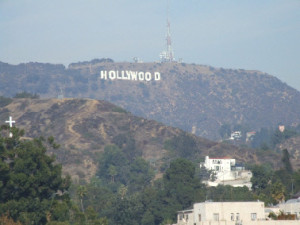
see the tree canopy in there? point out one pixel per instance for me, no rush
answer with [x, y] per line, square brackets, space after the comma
[32, 189]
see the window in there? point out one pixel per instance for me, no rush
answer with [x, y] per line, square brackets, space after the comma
[199, 216]
[232, 217]
[253, 216]
[180, 216]
[237, 217]
[216, 216]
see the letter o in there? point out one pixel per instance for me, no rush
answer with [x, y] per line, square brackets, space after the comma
[141, 76]
[112, 75]
[147, 76]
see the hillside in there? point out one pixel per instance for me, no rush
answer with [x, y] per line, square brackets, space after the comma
[293, 146]
[84, 127]
[186, 96]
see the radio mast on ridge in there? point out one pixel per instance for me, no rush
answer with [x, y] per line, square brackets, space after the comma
[168, 54]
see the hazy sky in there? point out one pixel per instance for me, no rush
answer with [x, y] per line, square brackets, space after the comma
[249, 34]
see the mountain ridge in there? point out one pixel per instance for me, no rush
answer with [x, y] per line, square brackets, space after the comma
[187, 96]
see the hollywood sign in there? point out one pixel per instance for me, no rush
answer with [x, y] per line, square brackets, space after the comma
[129, 75]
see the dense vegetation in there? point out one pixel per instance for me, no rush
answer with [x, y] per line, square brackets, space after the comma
[268, 138]
[153, 202]
[32, 190]
[157, 202]
[123, 192]
[127, 194]
[25, 94]
[127, 189]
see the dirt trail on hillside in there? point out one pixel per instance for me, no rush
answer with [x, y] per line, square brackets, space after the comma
[71, 124]
[88, 108]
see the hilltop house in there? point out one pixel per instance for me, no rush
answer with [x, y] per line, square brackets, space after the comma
[226, 172]
[236, 135]
[228, 213]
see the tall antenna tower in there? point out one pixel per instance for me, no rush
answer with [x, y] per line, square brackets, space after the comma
[168, 54]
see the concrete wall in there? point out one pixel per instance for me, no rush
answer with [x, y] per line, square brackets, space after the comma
[270, 222]
[229, 211]
[291, 207]
[218, 164]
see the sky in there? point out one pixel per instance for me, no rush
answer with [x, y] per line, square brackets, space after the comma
[246, 34]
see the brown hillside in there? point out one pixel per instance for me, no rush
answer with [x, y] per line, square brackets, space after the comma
[293, 146]
[83, 127]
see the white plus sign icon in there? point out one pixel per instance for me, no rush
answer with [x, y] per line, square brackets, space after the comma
[10, 122]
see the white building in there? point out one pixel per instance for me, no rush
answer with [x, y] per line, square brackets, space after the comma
[291, 206]
[218, 164]
[235, 135]
[227, 172]
[228, 213]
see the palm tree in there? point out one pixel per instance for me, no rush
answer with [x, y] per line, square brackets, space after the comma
[112, 170]
[123, 190]
[81, 192]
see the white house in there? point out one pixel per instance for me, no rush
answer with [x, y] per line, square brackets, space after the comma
[218, 164]
[235, 135]
[228, 213]
[227, 172]
[291, 206]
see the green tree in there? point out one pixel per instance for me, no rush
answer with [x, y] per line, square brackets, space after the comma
[229, 193]
[262, 138]
[148, 219]
[286, 161]
[115, 170]
[112, 172]
[81, 192]
[279, 136]
[5, 101]
[261, 177]
[25, 94]
[180, 187]
[122, 191]
[295, 185]
[278, 191]
[113, 165]
[225, 131]
[183, 145]
[31, 186]
[140, 175]
[126, 143]
[126, 211]
[99, 197]
[285, 178]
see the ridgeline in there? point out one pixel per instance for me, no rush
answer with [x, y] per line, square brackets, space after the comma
[187, 96]
[84, 127]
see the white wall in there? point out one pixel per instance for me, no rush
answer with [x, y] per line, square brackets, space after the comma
[225, 210]
[291, 207]
[218, 164]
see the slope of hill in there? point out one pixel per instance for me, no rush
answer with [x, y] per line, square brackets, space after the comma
[186, 96]
[84, 127]
[293, 146]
